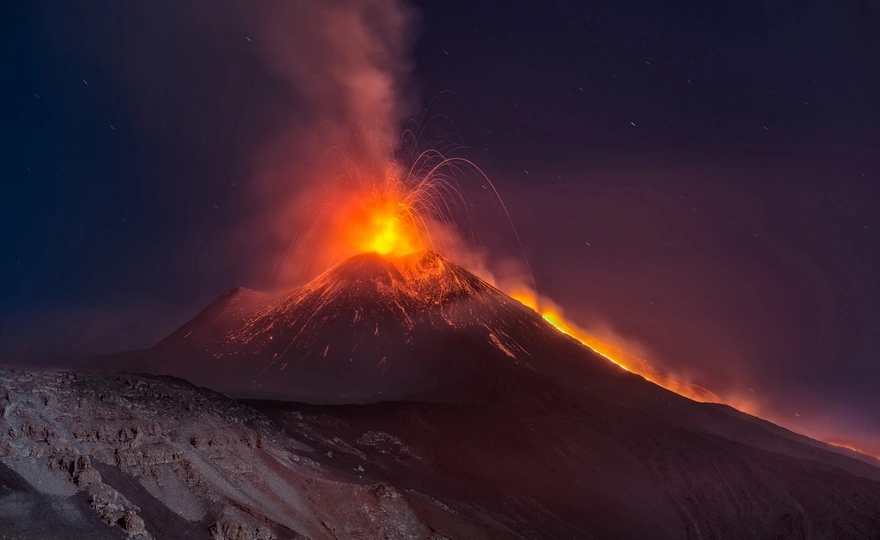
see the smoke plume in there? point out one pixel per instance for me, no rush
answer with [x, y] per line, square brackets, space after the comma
[348, 64]
[347, 59]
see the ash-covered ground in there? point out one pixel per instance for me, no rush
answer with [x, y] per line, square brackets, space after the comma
[127, 456]
[118, 456]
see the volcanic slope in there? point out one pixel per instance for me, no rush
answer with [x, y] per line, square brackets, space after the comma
[458, 413]
[107, 456]
[374, 328]
[420, 328]
[127, 456]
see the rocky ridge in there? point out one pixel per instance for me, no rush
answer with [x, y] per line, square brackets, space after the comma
[115, 456]
[160, 458]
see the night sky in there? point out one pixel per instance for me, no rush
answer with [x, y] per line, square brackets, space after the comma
[699, 179]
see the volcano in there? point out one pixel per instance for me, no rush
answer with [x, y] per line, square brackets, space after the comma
[402, 397]
[374, 328]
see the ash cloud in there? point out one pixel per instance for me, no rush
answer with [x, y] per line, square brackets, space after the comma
[222, 115]
[255, 105]
[348, 59]
[348, 64]
[304, 62]
[345, 65]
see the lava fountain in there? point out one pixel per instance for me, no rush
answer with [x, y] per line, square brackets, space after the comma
[396, 208]
[381, 222]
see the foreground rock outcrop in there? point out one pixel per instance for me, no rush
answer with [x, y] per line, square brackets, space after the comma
[119, 456]
[124, 456]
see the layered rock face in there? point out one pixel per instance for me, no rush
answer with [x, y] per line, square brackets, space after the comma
[119, 456]
[124, 456]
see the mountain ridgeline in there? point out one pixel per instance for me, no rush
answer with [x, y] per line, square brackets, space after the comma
[401, 398]
[374, 328]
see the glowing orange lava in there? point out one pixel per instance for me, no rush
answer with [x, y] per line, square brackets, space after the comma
[636, 365]
[850, 447]
[383, 224]
[390, 217]
[614, 354]
[401, 208]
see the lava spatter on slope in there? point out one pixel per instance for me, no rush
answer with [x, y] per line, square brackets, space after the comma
[375, 328]
[407, 290]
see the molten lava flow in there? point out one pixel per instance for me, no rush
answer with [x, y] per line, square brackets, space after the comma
[618, 356]
[851, 448]
[641, 367]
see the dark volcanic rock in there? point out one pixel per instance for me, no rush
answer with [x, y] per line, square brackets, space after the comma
[123, 456]
[27, 512]
[460, 414]
[371, 329]
[576, 467]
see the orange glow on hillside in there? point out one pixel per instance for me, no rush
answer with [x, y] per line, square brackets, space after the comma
[634, 364]
[851, 448]
[399, 208]
[614, 354]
